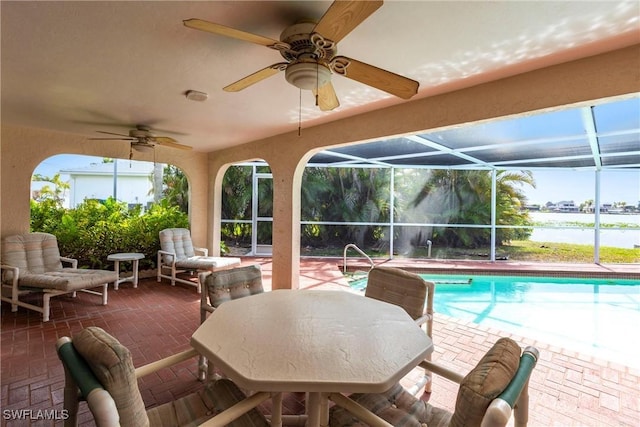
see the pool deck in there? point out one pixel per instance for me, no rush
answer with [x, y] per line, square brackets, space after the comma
[156, 320]
[511, 268]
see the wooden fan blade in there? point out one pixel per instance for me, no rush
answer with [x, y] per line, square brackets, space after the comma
[113, 133]
[343, 16]
[169, 142]
[222, 30]
[254, 78]
[326, 97]
[387, 81]
[112, 139]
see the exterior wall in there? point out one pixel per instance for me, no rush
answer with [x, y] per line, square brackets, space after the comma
[130, 189]
[607, 75]
[23, 149]
[572, 83]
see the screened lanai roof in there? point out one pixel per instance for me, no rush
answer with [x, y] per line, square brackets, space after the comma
[603, 136]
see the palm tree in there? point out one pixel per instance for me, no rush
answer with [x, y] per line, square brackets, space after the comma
[464, 197]
[176, 188]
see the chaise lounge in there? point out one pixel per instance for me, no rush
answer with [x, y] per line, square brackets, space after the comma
[31, 263]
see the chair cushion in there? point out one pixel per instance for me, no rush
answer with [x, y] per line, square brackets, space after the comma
[226, 285]
[68, 279]
[485, 382]
[178, 241]
[399, 287]
[196, 408]
[111, 363]
[206, 262]
[396, 406]
[34, 253]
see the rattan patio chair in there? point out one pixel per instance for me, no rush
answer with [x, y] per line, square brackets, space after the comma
[487, 396]
[100, 370]
[178, 255]
[412, 293]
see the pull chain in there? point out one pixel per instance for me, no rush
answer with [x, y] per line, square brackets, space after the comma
[300, 114]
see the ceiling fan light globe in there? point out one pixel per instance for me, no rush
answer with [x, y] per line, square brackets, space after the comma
[307, 75]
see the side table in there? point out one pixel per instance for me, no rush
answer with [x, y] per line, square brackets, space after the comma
[132, 257]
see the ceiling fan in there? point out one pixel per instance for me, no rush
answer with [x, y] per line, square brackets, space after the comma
[310, 50]
[142, 138]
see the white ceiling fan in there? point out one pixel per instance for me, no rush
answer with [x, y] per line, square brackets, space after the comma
[310, 51]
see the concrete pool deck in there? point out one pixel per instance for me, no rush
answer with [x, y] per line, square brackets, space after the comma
[155, 320]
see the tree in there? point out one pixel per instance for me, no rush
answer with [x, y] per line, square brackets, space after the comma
[176, 188]
[464, 197]
[56, 194]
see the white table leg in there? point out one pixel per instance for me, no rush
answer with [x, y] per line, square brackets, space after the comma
[135, 273]
[116, 267]
[313, 407]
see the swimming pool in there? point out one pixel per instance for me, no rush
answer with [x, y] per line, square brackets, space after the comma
[600, 317]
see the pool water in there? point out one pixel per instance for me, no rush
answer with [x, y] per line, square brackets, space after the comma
[600, 317]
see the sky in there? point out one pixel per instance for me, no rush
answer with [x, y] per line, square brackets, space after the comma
[551, 186]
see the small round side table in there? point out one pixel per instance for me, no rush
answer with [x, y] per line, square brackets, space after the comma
[132, 257]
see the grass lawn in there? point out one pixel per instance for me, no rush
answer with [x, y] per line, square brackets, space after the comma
[522, 250]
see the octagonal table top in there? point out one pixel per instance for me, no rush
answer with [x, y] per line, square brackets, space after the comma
[312, 341]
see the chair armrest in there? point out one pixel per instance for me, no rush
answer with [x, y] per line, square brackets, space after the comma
[100, 402]
[442, 371]
[171, 254]
[77, 366]
[14, 270]
[166, 362]
[204, 251]
[72, 261]
[515, 397]
[423, 319]
[521, 378]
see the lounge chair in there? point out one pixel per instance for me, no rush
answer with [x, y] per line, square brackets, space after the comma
[178, 255]
[31, 263]
[486, 397]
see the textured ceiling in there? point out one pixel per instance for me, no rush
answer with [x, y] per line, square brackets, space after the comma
[79, 67]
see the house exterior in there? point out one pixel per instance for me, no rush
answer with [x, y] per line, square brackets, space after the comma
[132, 184]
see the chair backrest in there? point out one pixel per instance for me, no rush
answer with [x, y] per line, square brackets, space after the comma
[35, 253]
[226, 285]
[485, 382]
[178, 241]
[112, 365]
[405, 289]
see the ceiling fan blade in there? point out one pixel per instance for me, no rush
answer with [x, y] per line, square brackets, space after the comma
[387, 81]
[223, 30]
[343, 16]
[113, 133]
[326, 97]
[111, 139]
[169, 142]
[254, 78]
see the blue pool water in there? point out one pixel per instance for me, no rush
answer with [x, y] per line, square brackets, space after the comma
[600, 317]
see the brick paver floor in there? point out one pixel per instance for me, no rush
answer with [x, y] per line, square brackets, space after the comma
[156, 320]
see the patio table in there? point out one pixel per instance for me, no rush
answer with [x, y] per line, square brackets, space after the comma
[134, 258]
[319, 342]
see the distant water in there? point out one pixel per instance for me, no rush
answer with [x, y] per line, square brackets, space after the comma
[625, 238]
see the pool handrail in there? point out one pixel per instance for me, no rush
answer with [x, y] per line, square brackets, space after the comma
[357, 249]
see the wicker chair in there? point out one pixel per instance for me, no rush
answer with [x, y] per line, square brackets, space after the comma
[99, 369]
[409, 291]
[226, 285]
[487, 396]
[31, 263]
[178, 255]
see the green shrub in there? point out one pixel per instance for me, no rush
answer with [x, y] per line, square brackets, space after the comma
[96, 229]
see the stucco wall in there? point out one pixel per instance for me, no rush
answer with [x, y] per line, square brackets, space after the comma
[607, 75]
[23, 149]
